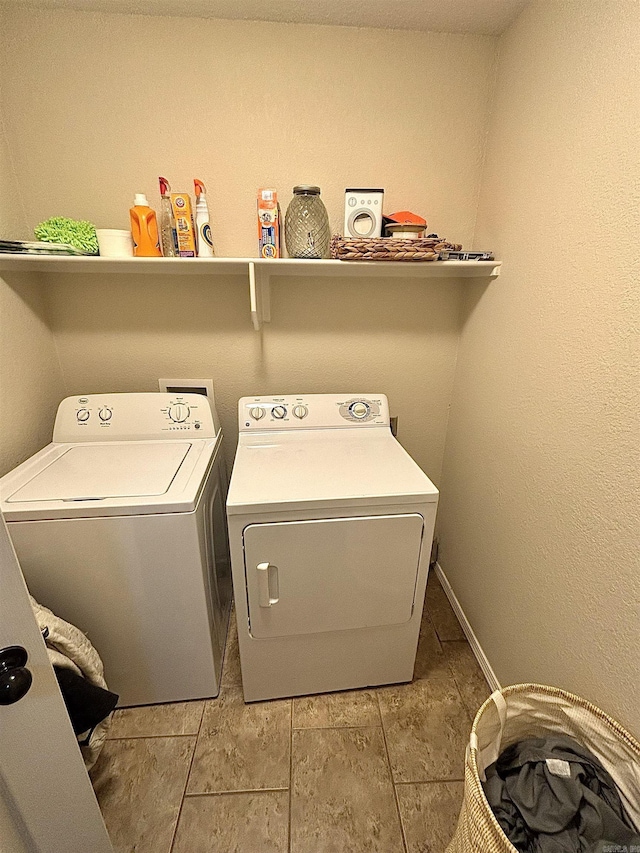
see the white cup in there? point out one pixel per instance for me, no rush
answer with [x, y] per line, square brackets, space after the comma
[114, 243]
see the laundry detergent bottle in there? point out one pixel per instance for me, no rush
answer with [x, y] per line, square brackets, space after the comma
[144, 229]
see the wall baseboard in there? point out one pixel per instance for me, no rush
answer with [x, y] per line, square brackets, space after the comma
[477, 649]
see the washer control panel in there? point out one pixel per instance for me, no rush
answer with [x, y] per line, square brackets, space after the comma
[127, 417]
[309, 411]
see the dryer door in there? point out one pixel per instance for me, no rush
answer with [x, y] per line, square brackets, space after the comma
[305, 577]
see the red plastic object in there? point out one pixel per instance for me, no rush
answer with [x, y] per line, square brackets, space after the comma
[405, 217]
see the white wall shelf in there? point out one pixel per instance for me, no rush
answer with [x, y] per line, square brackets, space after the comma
[258, 271]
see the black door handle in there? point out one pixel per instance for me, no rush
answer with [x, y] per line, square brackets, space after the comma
[15, 678]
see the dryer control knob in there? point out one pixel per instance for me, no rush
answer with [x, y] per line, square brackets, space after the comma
[179, 412]
[105, 413]
[279, 412]
[300, 411]
[256, 413]
[359, 410]
[83, 415]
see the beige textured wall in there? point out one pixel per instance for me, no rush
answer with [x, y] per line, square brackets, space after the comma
[540, 504]
[31, 384]
[30, 378]
[326, 335]
[98, 105]
[13, 223]
[253, 104]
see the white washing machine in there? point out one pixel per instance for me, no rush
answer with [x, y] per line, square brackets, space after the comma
[119, 527]
[330, 525]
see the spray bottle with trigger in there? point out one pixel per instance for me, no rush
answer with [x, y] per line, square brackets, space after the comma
[203, 228]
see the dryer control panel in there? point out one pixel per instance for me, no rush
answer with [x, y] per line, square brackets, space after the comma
[313, 411]
[131, 417]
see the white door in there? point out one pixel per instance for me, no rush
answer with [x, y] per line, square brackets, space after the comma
[305, 577]
[47, 804]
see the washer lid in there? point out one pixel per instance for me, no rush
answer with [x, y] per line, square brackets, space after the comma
[94, 472]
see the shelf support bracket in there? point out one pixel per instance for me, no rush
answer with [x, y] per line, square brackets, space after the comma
[264, 289]
[259, 295]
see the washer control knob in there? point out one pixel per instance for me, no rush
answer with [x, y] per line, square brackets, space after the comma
[300, 411]
[359, 410]
[105, 413]
[179, 413]
[83, 415]
[279, 412]
[256, 412]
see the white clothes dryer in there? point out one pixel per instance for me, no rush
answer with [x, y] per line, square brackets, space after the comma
[330, 526]
[119, 527]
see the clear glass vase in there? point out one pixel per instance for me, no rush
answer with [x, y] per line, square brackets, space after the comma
[306, 225]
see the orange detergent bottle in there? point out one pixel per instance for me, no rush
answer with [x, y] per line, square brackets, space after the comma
[144, 229]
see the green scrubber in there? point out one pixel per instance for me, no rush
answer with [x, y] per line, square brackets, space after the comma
[79, 234]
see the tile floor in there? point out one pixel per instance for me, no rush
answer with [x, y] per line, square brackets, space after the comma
[367, 771]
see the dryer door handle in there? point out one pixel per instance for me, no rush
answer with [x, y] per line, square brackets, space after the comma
[268, 591]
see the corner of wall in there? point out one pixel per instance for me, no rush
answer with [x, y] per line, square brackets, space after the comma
[13, 214]
[491, 98]
[536, 481]
[30, 372]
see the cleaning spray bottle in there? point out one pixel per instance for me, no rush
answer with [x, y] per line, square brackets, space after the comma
[203, 228]
[144, 229]
[167, 221]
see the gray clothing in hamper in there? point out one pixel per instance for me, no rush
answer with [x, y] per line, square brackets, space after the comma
[550, 795]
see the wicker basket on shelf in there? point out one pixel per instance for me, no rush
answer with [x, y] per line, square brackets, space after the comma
[389, 249]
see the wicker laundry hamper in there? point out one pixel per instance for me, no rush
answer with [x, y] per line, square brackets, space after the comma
[533, 710]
